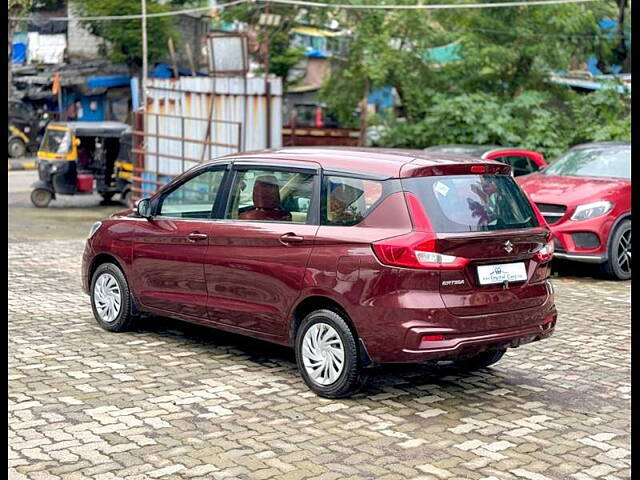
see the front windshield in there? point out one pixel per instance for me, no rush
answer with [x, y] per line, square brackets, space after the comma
[612, 162]
[56, 141]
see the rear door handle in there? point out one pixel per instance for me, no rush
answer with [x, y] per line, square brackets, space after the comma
[291, 238]
[196, 237]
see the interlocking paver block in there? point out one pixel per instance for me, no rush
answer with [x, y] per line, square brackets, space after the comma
[172, 400]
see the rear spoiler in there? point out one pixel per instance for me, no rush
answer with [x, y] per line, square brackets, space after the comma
[424, 169]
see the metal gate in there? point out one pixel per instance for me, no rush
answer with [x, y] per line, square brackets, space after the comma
[165, 145]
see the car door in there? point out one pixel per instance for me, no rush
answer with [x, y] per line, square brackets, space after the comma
[168, 250]
[523, 162]
[257, 258]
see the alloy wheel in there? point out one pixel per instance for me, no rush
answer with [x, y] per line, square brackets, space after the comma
[323, 354]
[623, 253]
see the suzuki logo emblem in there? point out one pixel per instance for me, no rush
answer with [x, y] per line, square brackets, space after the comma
[508, 246]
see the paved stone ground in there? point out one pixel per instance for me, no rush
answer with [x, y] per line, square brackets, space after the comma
[171, 400]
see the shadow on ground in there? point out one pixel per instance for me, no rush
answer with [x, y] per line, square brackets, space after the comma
[269, 355]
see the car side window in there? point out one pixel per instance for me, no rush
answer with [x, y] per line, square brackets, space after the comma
[193, 199]
[346, 201]
[270, 195]
[520, 165]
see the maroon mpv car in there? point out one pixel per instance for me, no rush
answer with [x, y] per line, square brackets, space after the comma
[353, 256]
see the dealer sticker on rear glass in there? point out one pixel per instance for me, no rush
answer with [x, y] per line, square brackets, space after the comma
[441, 188]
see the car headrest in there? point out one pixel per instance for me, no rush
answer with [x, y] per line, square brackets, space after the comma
[266, 192]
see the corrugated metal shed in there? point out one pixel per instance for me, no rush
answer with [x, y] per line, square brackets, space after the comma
[179, 108]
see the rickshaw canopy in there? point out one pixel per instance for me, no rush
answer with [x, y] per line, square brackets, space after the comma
[93, 129]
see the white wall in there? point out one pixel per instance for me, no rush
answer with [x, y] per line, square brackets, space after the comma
[80, 43]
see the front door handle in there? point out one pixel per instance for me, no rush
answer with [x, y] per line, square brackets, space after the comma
[291, 238]
[196, 237]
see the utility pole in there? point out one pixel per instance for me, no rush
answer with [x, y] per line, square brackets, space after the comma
[267, 20]
[267, 85]
[362, 139]
[144, 55]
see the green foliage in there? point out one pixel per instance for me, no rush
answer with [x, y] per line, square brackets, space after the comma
[498, 93]
[385, 48]
[19, 7]
[125, 36]
[602, 115]
[533, 120]
[282, 57]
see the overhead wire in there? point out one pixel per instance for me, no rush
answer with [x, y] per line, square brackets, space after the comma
[305, 3]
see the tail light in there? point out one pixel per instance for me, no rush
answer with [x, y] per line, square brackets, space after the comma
[417, 249]
[546, 252]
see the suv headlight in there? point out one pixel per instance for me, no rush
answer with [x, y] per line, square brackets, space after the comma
[591, 210]
[94, 228]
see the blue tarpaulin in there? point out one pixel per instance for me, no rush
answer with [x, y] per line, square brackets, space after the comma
[164, 70]
[108, 81]
[19, 53]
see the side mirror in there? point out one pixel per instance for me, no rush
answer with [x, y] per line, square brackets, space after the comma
[143, 208]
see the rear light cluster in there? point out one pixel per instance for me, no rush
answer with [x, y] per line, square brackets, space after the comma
[417, 249]
[546, 252]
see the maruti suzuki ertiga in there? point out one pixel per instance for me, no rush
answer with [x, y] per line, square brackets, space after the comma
[354, 257]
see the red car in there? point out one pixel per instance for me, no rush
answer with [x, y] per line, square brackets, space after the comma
[522, 162]
[352, 256]
[585, 196]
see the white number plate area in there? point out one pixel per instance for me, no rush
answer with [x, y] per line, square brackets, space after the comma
[513, 272]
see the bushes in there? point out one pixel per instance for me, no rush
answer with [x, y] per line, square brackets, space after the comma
[533, 119]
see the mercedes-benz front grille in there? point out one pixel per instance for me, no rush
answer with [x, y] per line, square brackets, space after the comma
[551, 213]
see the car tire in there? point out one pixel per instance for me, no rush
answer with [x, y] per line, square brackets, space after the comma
[108, 283]
[322, 335]
[480, 360]
[17, 148]
[618, 264]
[41, 197]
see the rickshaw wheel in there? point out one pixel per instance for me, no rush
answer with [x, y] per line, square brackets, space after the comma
[106, 197]
[17, 148]
[41, 197]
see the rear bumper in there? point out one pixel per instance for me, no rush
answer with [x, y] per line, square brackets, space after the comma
[462, 346]
[397, 335]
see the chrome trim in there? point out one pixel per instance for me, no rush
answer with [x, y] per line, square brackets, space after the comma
[581, 258]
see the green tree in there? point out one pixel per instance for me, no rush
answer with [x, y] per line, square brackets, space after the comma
[497, 93]
[384, 48]
[125, 36]
[533, 119]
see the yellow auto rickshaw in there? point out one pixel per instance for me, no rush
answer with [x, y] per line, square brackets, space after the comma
[83, 157]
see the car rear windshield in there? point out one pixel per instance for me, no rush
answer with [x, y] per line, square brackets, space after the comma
[472, 203]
